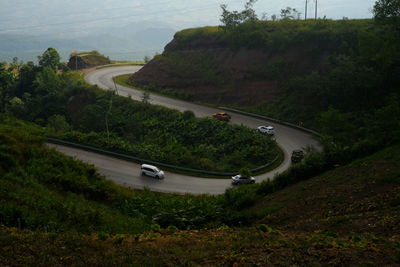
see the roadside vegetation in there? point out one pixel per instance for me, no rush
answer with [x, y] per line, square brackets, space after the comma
[73, 111]
[55, 210]
[45, 190]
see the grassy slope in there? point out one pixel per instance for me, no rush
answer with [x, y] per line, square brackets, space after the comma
[363, 197]
[346, 216]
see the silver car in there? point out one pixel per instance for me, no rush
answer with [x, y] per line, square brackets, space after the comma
[266, 130]
[152, 171]
[239, 179]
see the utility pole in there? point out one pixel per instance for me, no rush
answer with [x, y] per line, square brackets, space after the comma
[306, 10]
[107, 114]
[76, 60]
[316, 9]
[115, 85]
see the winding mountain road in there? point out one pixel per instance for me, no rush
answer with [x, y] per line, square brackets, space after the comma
[128, 173]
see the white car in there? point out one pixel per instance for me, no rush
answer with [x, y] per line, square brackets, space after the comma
[239, 179]
[266, 130]
[152, 171]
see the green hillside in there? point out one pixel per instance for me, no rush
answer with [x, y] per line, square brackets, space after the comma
[57, 211]
[336, 77]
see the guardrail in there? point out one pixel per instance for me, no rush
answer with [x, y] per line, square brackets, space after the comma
[273, 120]
[140, 160]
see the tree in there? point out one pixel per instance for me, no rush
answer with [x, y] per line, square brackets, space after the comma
[231, 19]
[8, 83]
[58, 124]
[16, 64]
[50, 58]
[16, 107]
[146, 59]
[387, 11]
[290, 14]
[27, 76]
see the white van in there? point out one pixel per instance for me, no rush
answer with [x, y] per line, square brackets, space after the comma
[152, 171]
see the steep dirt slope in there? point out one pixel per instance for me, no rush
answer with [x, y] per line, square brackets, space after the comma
[212, 68]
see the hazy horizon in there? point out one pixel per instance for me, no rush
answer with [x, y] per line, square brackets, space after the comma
[118, 27]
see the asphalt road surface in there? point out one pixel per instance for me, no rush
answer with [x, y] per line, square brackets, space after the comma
[128, 173]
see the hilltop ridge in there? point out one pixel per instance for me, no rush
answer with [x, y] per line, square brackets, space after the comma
[85, 60]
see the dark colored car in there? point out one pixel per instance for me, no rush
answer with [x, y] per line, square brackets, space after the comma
[297, 155]
[222, 116]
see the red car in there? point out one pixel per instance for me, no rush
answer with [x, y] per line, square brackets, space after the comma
[222, 116]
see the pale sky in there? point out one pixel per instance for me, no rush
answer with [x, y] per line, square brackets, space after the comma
[32, 16]
[130, 29]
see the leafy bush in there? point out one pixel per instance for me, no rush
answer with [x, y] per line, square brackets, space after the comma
[241, 197]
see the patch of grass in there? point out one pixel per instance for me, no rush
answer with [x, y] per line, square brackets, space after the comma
[124, 81]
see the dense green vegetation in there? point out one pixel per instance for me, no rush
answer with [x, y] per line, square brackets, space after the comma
[350, 92]
[74, 111]
[55, 210]
[339, 78]
[42, 189]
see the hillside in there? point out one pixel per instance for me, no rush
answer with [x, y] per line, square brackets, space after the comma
[85, 60]
[292, 70]
[352, 221]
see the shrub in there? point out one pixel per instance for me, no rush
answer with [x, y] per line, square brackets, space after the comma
[240, 198]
